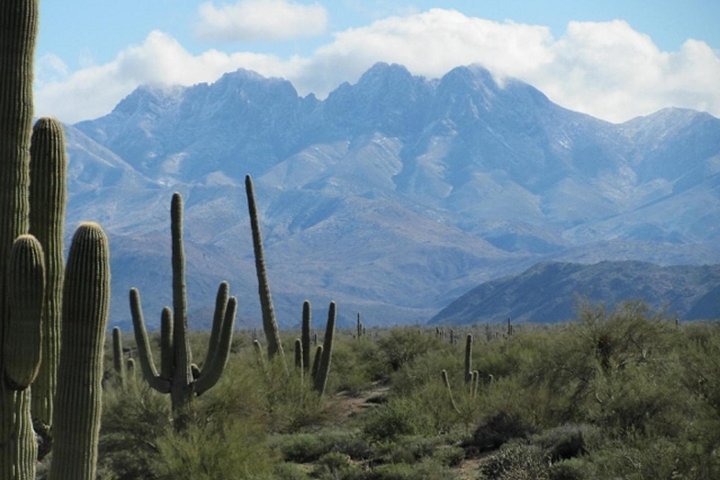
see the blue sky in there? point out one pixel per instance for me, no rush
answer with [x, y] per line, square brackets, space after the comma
[614, 59]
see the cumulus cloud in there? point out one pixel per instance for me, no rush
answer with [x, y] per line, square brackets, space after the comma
[606, 69]
[260, 20]
[160, 60]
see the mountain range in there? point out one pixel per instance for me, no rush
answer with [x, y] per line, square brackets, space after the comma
[552, 291]
[393, 196]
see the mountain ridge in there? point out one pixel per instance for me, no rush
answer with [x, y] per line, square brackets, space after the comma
[393, 195]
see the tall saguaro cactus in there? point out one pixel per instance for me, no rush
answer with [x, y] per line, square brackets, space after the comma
[305, 334]
[18, 28]
[176, 370]
[270, 326]
[86, 299]
[48, 194]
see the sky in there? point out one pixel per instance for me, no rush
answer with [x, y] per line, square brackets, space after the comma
[613, 59]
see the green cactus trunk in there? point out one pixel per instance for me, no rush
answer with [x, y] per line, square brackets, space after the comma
[324, 368]
[18, 28]
[468, 358]
[270, 326]
[86, 297]
[178, 375]
[48, 195]
[305, 334]
[118, 358]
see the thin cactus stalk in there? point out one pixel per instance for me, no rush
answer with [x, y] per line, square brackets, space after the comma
[86, 298]
[446, 381]
[316, 362]
[305, 334]
[324, 367]
[475, 383]
[118, 358]
[48, 196]
[359, 326]
[270, 326]
[259, 356]
[178, 376]
[468, 358]
[299, 358]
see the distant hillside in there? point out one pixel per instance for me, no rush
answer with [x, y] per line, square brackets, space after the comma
[550, 292]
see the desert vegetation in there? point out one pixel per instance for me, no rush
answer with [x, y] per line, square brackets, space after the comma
[622, 394]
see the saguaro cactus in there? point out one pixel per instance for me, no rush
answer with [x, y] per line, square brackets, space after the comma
[48, 195]
[324, 366]
[118, 359]
[468, 358]
[305, 334]
[270, 326]
[176, 375]
[86, 299]
[18, 28]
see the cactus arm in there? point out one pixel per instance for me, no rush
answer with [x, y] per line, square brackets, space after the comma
[78, 403]
[270, 326]
[166, 344]
[117, 349]
[221, 301]
[25, 288]
[212, 371]
[448, 389]
[147, 364]
[305, 334]
[316, 362]
[324, 368]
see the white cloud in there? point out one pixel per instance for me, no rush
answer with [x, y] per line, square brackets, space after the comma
[260, 20]
[160, 60]
[605, 69]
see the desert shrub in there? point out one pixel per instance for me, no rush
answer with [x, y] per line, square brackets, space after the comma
[134, 417]
[232, 451]
[334, 465]
[517, 461]
[403, 345]
[289, 471]
[356, 365]
[497, 430]
[427, 470]
[571, 469]
[308, 447]
[398, 417]
[567, 441]
[449, 456]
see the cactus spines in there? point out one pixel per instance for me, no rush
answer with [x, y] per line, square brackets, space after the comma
[305, 334]
[468, 358]
[48, 194]
[270, 326]
[324, 367]
[86, 298]
[178, 376]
